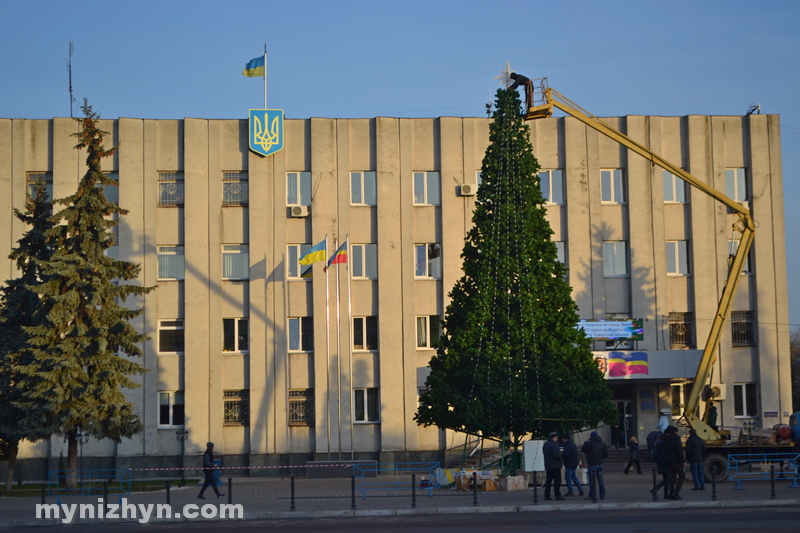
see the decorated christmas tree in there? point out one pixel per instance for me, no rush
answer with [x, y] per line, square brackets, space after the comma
[511, 363]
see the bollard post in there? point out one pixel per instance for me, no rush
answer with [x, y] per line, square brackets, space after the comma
[413, 491]
[43, 494]
[655, 484]
[713, 484]
[772, 481]
[535, 493]
[291, 502]
[230, 490]
[167, 487]
[474, 489]
[352, 492]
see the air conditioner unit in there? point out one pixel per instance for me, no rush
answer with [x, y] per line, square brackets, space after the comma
[718, 392]
[299, 211]
[468, 190]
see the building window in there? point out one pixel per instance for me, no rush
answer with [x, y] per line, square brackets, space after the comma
[428, 331]
[235, 261]
[677, 258]
[613, 186]
[170, 336]
[170, 189]
[46, 177]
[428, 260]
[301, 407]
[365, 261]
[363, 188]
[478, 178]
[736, 184]
[234, 188]
[298, 188]
[365, 333]
[366, 405]
[552, 185]
[679, 393]
[745, 400]
[681, 330]
[427, 188]
[111, 191]
[170, 263]
[294, 270]
[301, 334]
[733, 247]
[561, 252]
[235, 335]
[615, 258]
[674, 188]
[743, 331]
[171, 408]
[236, 407]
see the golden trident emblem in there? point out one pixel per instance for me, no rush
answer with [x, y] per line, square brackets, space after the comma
[266, 130]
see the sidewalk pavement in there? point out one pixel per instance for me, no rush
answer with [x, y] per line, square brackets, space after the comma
[270, 498]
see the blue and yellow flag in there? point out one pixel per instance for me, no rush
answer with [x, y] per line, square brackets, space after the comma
[254, 67]
[308, 273]
[314, 254]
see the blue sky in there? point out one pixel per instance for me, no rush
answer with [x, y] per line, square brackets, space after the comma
[347, 58]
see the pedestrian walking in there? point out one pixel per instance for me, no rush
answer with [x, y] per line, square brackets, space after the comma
[571, 462]
[596, 452]
[208, 472]
[695, 452]
[662, 467]
[552, 467]
[633, 458]
[673, 450]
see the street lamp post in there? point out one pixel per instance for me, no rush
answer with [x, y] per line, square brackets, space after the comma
[182, 435]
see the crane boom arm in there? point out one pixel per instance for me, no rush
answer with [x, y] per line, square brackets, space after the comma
[745, 226]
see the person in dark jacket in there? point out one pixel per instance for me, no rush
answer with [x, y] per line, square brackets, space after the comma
[571, 462]
[652, 437]
[596, 452]
[660, 458]
[208, 472]
[673, 451]
[552, 467]
[695, 452]
[633, 458]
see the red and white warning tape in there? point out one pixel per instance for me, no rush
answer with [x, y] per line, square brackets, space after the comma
[244, 467]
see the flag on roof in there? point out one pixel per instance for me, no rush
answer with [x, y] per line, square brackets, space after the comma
[315, 253]
[254, 67]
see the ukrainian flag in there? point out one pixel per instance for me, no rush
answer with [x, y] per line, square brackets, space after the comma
[308, 273]
[255, 67]
[314, 254]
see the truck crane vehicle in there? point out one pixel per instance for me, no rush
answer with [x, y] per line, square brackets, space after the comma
[539, 103]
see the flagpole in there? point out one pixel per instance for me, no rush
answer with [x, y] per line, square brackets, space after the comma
[338, 361]
[327, 352]
[265, 76]
[350, 318]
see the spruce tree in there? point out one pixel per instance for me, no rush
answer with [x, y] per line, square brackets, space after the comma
[510, 361]
[18, 301]
[82, 341]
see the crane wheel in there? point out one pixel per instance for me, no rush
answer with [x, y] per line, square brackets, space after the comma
[716, 464]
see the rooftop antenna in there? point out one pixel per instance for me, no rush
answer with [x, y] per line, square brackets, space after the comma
[754, 109]
[69, 70]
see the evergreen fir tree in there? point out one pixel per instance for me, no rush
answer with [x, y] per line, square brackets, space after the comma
[18, 301]
[511, 361]
[82, 340]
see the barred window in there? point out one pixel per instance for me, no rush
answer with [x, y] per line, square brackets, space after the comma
[170, 189]
[236, 407]
[681, 330]
[301, 407]
[234, 188]
[743, 331]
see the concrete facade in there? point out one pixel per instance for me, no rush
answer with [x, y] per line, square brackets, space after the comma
[330, 149]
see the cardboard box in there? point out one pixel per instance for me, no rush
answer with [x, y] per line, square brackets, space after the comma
[489, 485]
[510, 483]
[463, 482]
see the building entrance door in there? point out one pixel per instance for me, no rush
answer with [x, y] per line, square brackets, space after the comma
[626, 427]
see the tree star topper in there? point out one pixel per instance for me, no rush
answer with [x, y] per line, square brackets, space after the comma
[505, 76]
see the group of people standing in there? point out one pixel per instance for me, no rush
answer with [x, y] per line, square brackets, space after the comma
[664, 446]
[595, 451]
